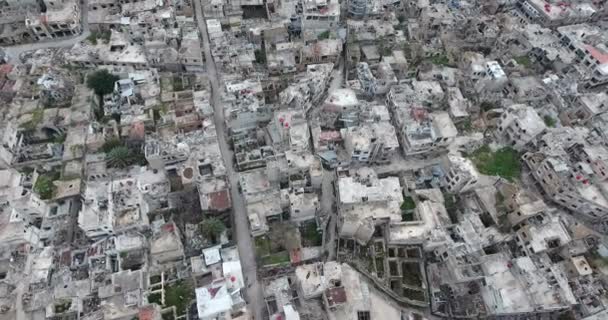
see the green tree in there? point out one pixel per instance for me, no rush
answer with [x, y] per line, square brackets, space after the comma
[111, 144]
[408, 204]
[323, 35]
[101, 82]
[549, 121]
[92, 38]
[212, 228]
[120, 157]
[44, 186]
[486, 106]
[260, 56]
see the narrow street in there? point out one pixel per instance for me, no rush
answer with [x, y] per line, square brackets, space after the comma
[328, 199]
[255, 297]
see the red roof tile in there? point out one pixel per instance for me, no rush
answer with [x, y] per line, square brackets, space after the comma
[220, 200]
[146, 313]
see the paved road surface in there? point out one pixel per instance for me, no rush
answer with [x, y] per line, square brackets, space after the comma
[328, 199]
[14, 52]
[255, 296]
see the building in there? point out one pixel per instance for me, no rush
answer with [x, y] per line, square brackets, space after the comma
[586, 107]
[374, 142]
[364, 200]
[519, 125]
[488, 79]
[303, 206]
[28, 21]
[589, 44]
[574, 179]
[460, 173]
[56, 19]
[557, 13]
[419, 129]
[320, 15]
[221, 298]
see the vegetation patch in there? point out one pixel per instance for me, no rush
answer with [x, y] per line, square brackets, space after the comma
[408, 204]
[323, 35]
[407, 50]
[407, 209]
[178, 83]
[450, 201]
[503, 162]
[103, 35]
[311, 237]
[120, 155]
[260, 56]
[212, 228]
[158, 111]
[44, 186]
[486, 106]
[155, 279]
[465, 126]
[440, 60]
[412, 294]
[262, 246]
[36, 119]
[401, 19]
[549, 121]
[411, 274]
[92, 38]
[63, 306]
[523, 61]
[276, 258]
[168, 315]
[179, 295]
[110, 144]
[60, 138]
[101, 82]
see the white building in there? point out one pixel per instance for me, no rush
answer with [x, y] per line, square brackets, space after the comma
[16, 231]
[419, 130]
[555, 13]
[320, 15]
[488, 78]
[460, 173]
[363, 199]
[520, 124]
[303, 206]
[222, 298]
[123, 203]
[291, 130]
[572, 182]
[373, 142]
[589, 44]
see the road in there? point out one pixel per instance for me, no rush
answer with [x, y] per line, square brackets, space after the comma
[22, 288]
[254, 296]
[13, 53]
[328, 199]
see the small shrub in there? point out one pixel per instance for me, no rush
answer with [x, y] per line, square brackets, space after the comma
[323, 35]
[44, 186]
[549, 121]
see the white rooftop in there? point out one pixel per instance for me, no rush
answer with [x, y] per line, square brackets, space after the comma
[212, 255]
[213, 300]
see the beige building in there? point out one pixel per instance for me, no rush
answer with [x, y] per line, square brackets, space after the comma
[59, 18]
[363, 200]
[460, 173]
[519, 125]
[573, 182]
